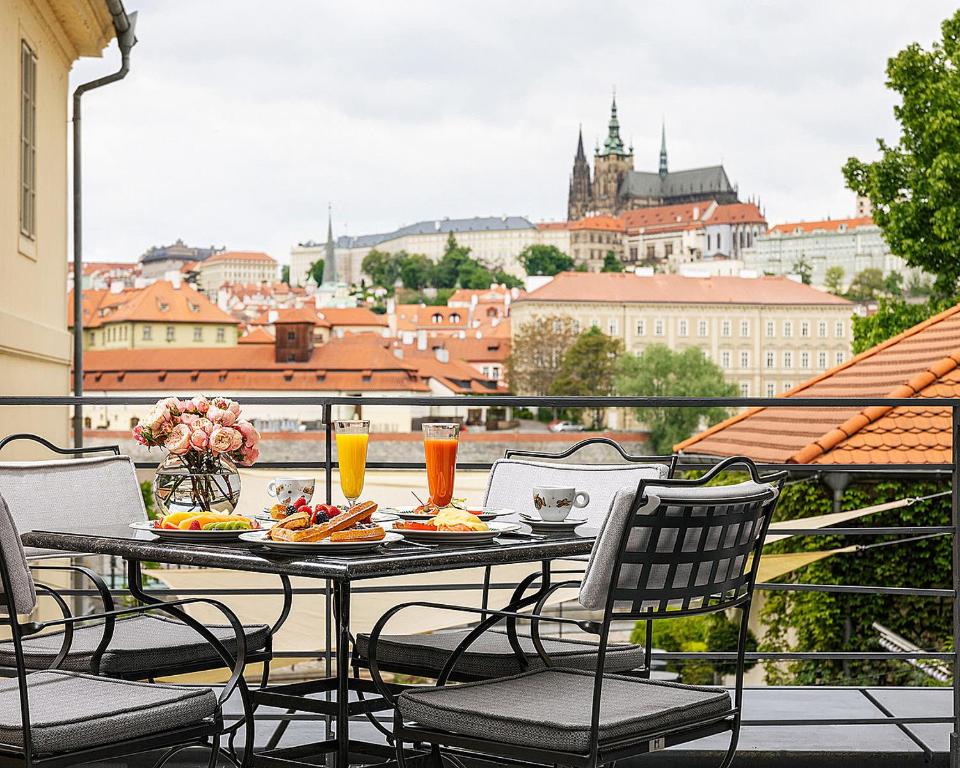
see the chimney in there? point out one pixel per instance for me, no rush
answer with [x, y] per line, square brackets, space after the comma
[175, 280]
[391, 306]
[443, 355]
[272, 316]
[293, 342]
[696, 212]
[421, 340]
[116, 286]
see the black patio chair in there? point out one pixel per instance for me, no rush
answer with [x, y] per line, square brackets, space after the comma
[55, 717]
[673, 548]
[510, 484]
[105, 490]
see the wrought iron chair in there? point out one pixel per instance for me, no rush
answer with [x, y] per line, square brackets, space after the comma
[510, 483]
[105, 491]
[670, 549]
[55, 717]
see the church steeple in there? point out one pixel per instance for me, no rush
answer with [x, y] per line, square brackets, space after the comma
[663, 149]
[329, 255]
[578, 199]
[613, 144]
[580, 153]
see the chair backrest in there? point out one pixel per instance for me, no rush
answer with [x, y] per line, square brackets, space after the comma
[71, 493]
[511, 482]
[14, 559]
[589, 451]
[679, 546]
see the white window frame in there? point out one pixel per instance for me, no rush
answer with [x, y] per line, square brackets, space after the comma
[28, 141]
[726, 328]
[703, 329]
[682, 327]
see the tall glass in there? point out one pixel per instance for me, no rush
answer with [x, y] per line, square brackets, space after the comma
[352, 438]
[440, 443]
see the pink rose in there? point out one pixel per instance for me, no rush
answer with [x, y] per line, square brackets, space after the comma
[171, 404]
[234, 408]
[236, 439]
[205, 424]
[190, 419]
[178, 441]
[220, 440]
[215, 414]
[187, 406]
[201, 404]
[228, 418]
[199, 440]
[156, 421]
[221, 403]
[138, 434]
[246, 429]
[250, 456]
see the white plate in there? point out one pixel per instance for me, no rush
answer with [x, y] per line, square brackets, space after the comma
[539, 525]
[488, 513]
[322, 547]
[193, 537]
[376, 517]
[459, 537]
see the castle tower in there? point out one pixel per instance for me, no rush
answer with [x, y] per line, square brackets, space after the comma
[663, 150]
[611, 164]
[578, 199]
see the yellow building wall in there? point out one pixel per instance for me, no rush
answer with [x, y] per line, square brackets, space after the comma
[130, 336]
[35, 345]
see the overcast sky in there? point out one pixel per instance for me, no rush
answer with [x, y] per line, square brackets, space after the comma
[241, 120]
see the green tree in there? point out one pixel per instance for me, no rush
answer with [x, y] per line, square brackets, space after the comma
[660, 372]
[545, 260]
[833, 280]
[866, 285]
[611, 263]
[502, 277]
[285, 274]
[382, 268]
[892, 317]
[537, 352]
[455, 258]
[416, 271]
[316, 270]
[802, 268]
[589, 368]
[914, 188]
[893, 284]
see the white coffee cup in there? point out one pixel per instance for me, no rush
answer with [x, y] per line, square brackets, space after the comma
[288, 489]
[554, 503]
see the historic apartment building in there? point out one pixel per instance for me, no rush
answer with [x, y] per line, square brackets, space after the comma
[157, 260]
[235, 267]
[766, 333]
[616, 186]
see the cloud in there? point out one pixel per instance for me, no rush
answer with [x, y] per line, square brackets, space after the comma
[240, 121]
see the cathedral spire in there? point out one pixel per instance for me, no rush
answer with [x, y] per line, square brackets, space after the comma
[613, 144]
[663, 148]
[580, 152]
[329, 256]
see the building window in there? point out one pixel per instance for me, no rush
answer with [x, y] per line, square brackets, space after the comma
[171, 333]
[291, 336]
[682, 328]
[702, 329]
[805, 330]
[744, 359]
[787, 385]
[787, 329]
[455, 318]
[658, 327]
[771, 390]
[771, 360]
[788, 359]
[197, 333]
[436, 318]
[28, 141]
[91, 338]
[744, 389]
[744, 329]
[486, 371]
[840, 358]
[821, 360]
[576, 327]
[771, 329]
[651, 252]
[668, 249]
[804, 359]
[595, 323]
[822, 329]
[613, 328]
[641, 328]
[147, 333]
[725, 328]
[221, 335]
[725, 359]
[495, 373]
[839, 329]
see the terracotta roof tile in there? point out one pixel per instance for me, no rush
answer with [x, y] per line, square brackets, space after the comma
[257, 336]
[239, 256]
[159, 302]
[827, 225]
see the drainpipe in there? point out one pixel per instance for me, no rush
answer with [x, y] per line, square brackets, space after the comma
[124, 26]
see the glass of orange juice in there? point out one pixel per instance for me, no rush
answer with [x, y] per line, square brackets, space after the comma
[440, 443]
[352, 437]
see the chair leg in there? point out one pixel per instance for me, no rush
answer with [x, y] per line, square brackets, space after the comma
[732, 749]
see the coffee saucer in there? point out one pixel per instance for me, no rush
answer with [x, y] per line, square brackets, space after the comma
[539, 525]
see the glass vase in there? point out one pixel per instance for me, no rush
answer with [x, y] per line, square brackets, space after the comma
[203, 484]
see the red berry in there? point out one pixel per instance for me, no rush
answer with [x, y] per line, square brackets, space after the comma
[301, 502]
[195, 525]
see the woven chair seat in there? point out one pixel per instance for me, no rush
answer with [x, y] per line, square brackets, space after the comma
[550, 709]
[69, 712]
[140, 646]
[491, 655]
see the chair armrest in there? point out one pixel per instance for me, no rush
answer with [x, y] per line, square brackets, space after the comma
[68, 629]
[171, 607]
[105, 597]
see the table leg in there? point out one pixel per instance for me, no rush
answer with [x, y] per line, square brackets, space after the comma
[341, 596]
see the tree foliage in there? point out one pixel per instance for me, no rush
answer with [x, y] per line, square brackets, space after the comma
[866, 285]
[416, 271]
[545, 260]
[611, 263]
[803, 269]
[589, 368]
[893, 316]
[661, 372]
[382, 268]
[914, 187]
[285, 274]
[316, 270]
[814, 621]
[833, 280]
[537, 353]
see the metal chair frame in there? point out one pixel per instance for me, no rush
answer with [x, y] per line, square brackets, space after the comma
[646, 603]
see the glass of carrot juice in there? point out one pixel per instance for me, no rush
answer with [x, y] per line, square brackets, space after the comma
[352, 437]
[440, 443]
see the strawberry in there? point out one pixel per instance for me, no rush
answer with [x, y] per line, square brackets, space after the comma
[301, 502]
[195, 525]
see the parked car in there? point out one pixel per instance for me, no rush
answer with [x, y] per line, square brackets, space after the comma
[566, 426]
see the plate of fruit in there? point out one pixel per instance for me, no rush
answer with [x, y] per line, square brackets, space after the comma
[452, 526]
[199, 526]
[429, 510]
[319, 532]
[283, 511]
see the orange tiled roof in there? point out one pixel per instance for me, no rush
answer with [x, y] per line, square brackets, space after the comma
[352, 316]
[676, 289]
[294, 315]
[554, 225]
[827, 225]
[921, 362]
[160, 302]
[485, 350]
[458, 376]
[672, 216]
[413, 316]
[239, 256]
[737, 213]
[604, 223]
[257, 336]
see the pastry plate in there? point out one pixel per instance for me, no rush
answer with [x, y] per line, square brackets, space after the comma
[488, 513]
[377, 517]
[194, 537]
[458, 537]
[322, 547]
[551, 526]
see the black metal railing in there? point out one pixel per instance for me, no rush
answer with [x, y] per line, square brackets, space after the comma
[949, 471]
